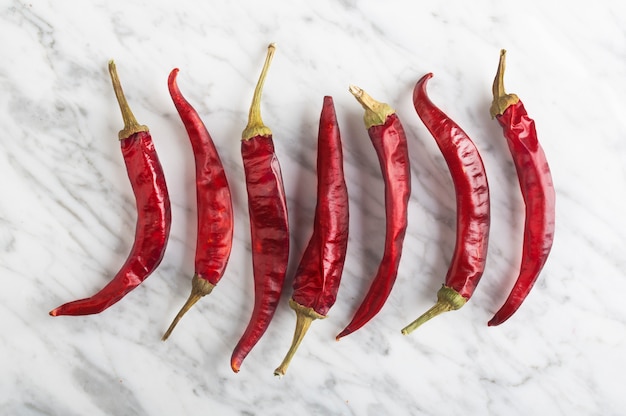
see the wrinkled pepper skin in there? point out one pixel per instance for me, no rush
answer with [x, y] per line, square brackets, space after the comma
[539, 196]
[471, 190]
[269, 224]
[214, 207]
[389, 141]
[213, 197]
[269, 234]
[151, 232]
[537, 189]
[319, 274]
[472, 206]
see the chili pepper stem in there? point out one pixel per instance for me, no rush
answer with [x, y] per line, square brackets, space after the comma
[255, 125]
[448, 299]
[199, 288]
[304, 317]
[501, 100]
[376, 113]
[131, 126]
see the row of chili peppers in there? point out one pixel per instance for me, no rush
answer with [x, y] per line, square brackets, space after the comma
[319, 273]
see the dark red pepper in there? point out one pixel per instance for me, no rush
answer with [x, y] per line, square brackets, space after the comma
[319, 272]
[269, 225]
[389, 140]
[153, 213]
[214, 205]
[536, 186]
[472, 205]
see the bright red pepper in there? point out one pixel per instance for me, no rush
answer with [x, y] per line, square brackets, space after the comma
[269, 225]
[153, 214]
[472, 205]
[319, 272]
[214, 205]
[536, 186]
[389, 140]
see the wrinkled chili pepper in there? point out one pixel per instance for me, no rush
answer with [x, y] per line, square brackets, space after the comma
[269, 225]
[472, 205]
[319, 272]
[536, 186]
[153, 213]
[389, 140]
[214, 205]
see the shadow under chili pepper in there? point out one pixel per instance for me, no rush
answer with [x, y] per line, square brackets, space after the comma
[302, 197]
[434, 225]
[180, 279]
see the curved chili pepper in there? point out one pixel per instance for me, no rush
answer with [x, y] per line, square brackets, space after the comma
[536, 186]
[389, 140]
[269, 225]
[472, 205]
[153, 213]
[214, 205]
[319, 272]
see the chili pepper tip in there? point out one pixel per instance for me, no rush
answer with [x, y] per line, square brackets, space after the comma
[235, 366]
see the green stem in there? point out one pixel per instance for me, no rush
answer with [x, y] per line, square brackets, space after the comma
[448, 299]
[376, 113]
[255, 125]
[304, 317]
[199, 288]
[501, 100]
[130, 123]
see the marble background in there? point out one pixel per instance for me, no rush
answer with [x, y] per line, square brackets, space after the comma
[67, 211]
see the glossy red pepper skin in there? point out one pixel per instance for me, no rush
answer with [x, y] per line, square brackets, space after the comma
[151, 232]
[389, 140]
[318, 275]
[539, 197]
[269, 234]
[472, 205]
[269, 224]
[213, 200]
[153, 213]
[536, 186]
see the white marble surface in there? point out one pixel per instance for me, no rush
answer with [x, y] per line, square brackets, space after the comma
[67, 211]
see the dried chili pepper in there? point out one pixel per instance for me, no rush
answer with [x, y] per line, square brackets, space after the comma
[536, 186]
[214, 205]
[319, 272]
[472, 204]
[389, 140]
[153, 213]
[269, 225]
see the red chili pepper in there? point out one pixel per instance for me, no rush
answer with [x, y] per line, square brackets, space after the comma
[319, 273]
[153, 213]
[214, 205]
[389, 140]
[472, 204]
[536, 186]
[269, 226]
